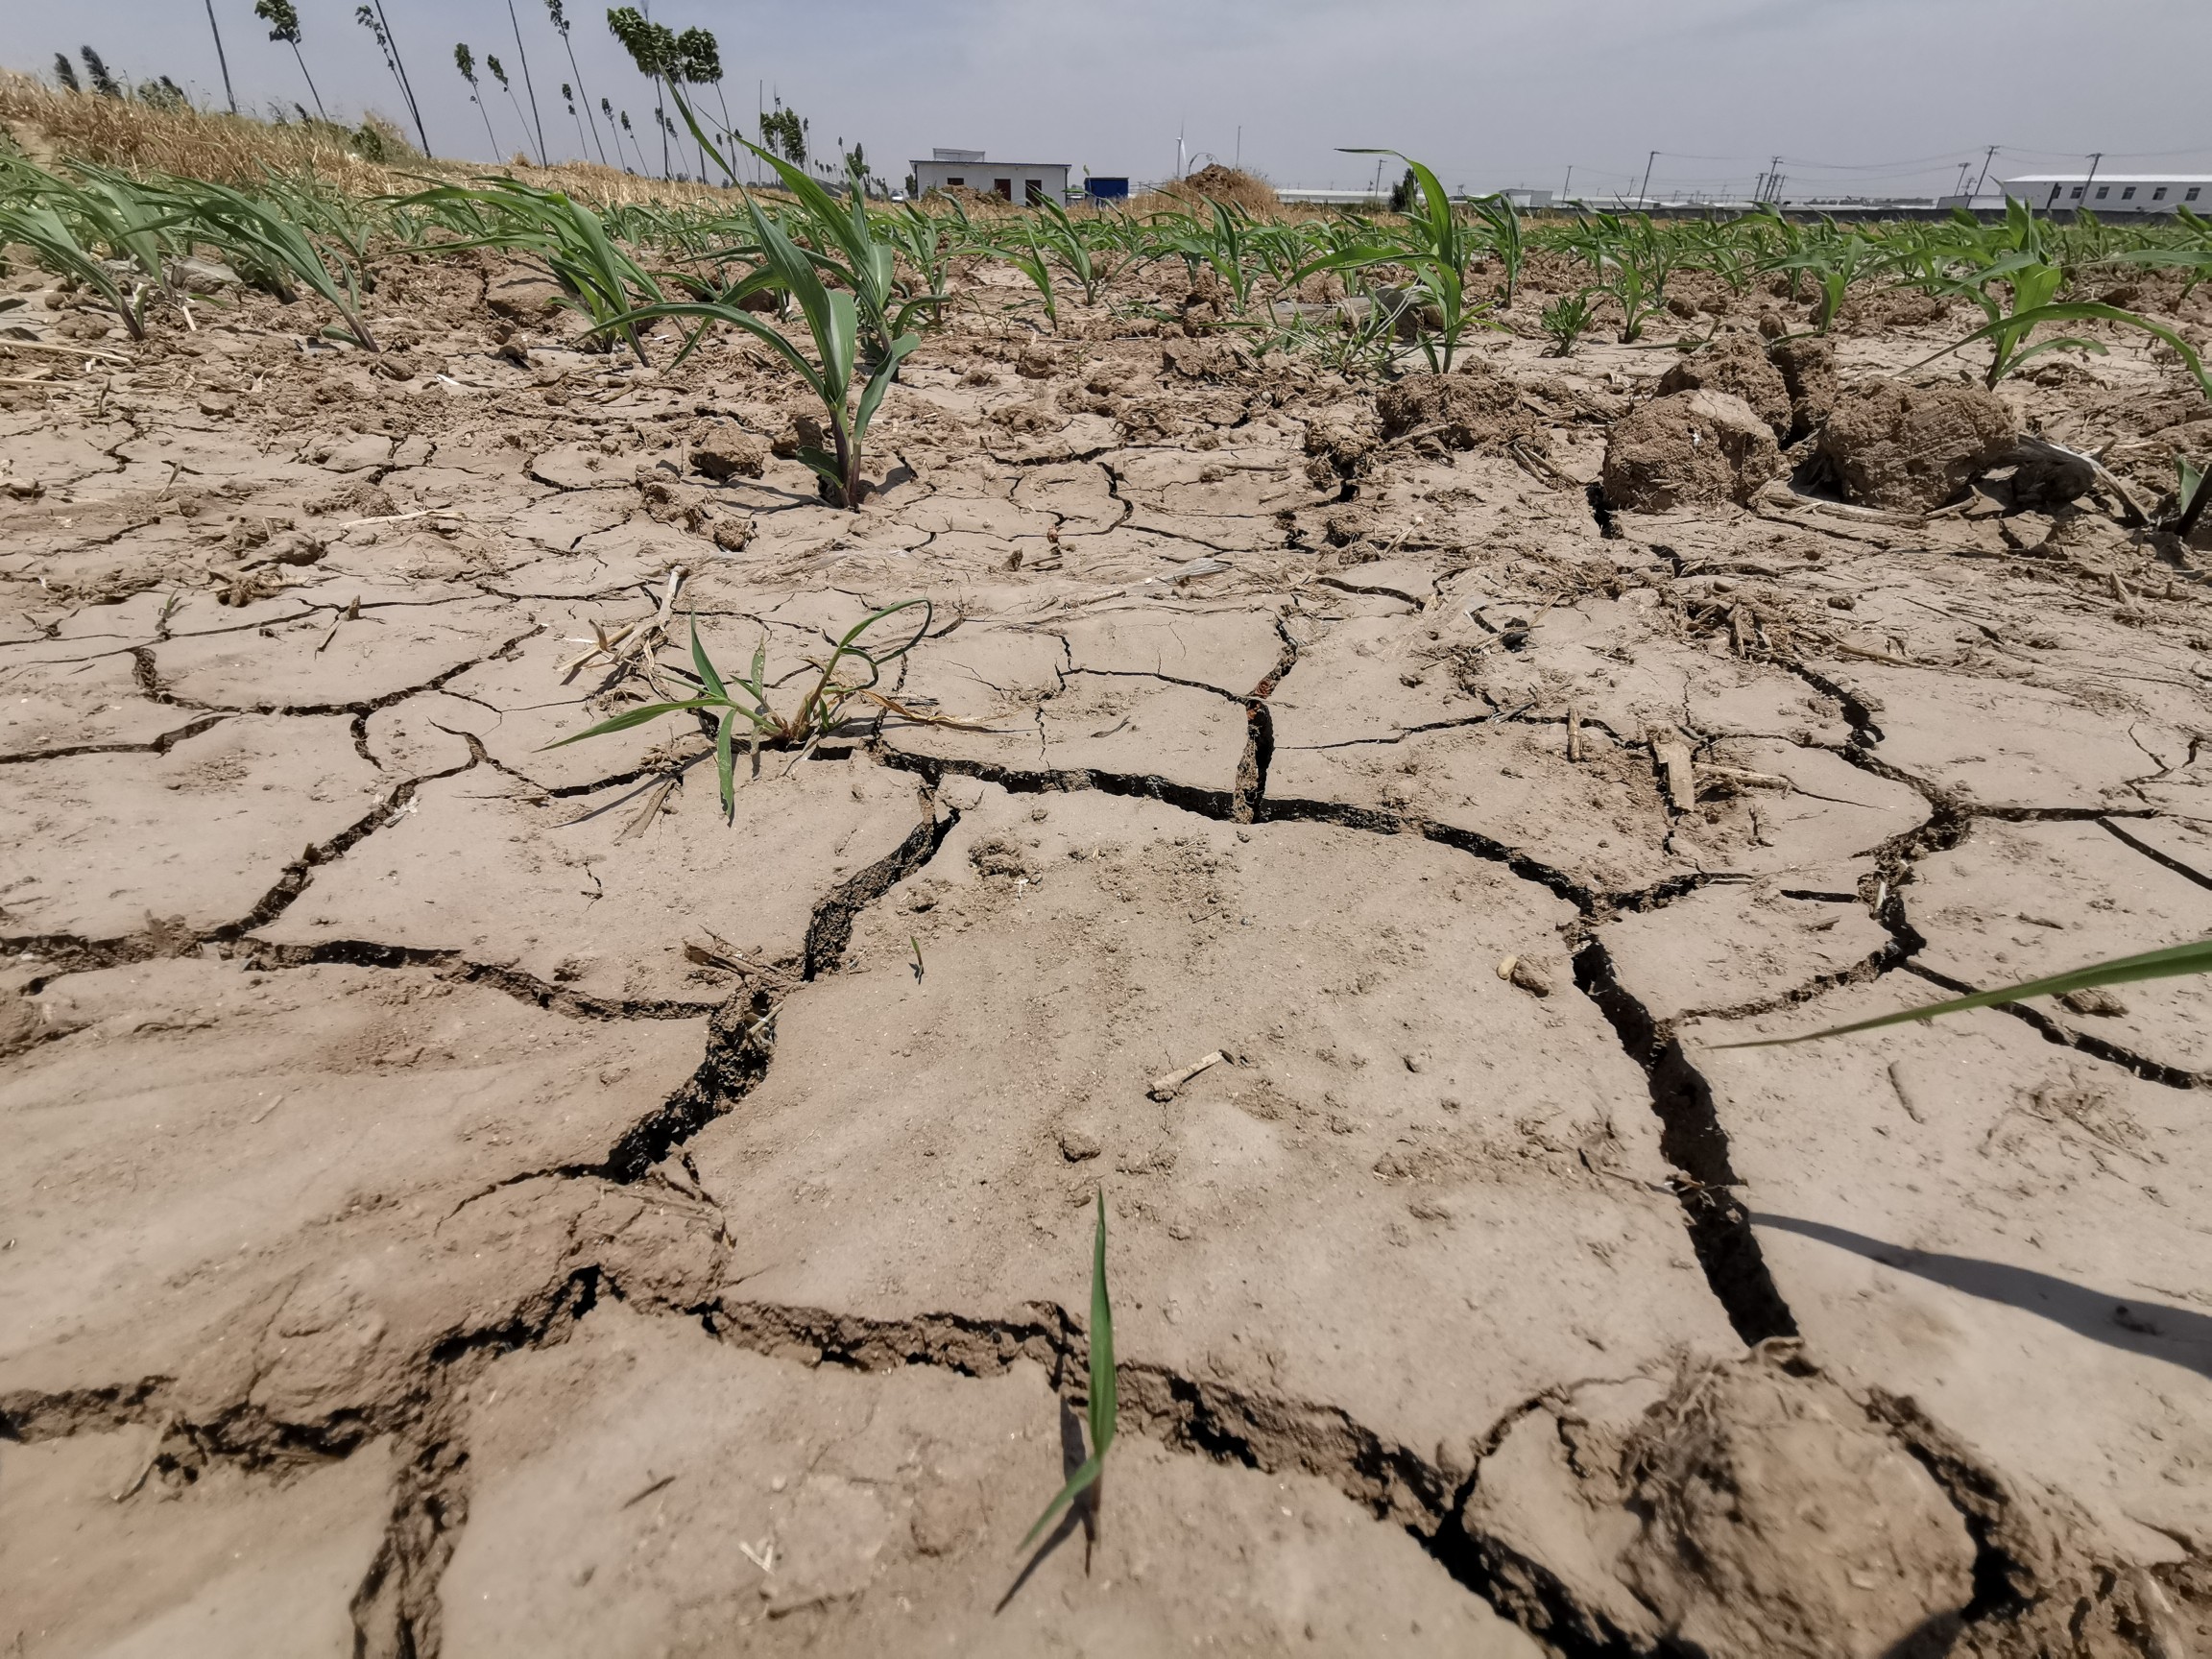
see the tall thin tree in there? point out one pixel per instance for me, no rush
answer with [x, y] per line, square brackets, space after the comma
[372, 18]
[560, 18]
[220, 59]
[65, 72]
[465, 61]
[499, 74]
[522, 55]
[652, 47]
[568, 97]
[283, 20]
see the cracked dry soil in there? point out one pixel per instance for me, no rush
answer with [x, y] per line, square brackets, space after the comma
[465, 1198]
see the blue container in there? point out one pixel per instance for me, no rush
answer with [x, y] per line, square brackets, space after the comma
[1100, 189]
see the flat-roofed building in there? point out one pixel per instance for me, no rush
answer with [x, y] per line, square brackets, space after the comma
[1030, 184]
[2113, 192]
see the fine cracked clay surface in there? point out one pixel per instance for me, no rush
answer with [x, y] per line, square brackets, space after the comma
[473, 1196]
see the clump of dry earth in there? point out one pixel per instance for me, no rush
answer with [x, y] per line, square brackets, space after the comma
[468, 1197]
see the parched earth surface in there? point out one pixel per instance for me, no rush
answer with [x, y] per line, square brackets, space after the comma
[466, 1197]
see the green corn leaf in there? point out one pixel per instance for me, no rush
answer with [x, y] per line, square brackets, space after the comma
[1103, 1397]
[699, 660]
[2167, 964]
[725, 765]
[634, 717]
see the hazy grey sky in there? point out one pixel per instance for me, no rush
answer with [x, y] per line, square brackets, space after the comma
[1880, 95]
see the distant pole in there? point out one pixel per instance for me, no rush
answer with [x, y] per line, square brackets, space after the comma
[1238, 164]
[1987, 159]
[2095, 160]
[1643, 191]
[1566, 190]
[221, 60]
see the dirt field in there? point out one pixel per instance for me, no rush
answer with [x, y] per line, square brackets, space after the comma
[465, 1197]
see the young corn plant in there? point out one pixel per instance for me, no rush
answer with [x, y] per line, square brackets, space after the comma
[833, 320]
[1501, 222]
[1566, 320]
[1104, 1401]
[842, 242]
[1438, 248]
[258, 237]
[821, 709]
[597, 276]
[1030, 259]
[2167, 964]
[65, 225]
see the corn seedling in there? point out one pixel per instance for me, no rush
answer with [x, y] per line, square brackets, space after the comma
[2168, 964]
[1437, 251]
[842, 241]
[597, 277]
[832, 318]
[44, 214]
[1103, 1401]
[1502, 221]
[821, 709]
[1566, 319]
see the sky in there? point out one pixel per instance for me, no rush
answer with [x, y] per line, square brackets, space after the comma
[1863, 96]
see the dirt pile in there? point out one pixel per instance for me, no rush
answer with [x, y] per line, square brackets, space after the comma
[1807, 365]
[1735, 363]
[1687, 449]
[1911, 448]
[728, 451]
[1476, 408]
[1753, 1510]
[1228, 186]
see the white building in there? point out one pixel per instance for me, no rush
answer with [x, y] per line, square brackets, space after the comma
[2114, 192]
[1028, 183]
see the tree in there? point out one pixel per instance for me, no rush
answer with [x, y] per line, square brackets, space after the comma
[465, 61]
[223, 62]
[544, 155]
[65, 72]
[652, 47]
[500, 75]
[783, 134]
[561, 26]
[96, 70]
[701, 58]
[371, 16]
[283, 20]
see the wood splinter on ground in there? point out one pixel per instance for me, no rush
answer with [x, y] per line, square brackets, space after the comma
[1671, 754]
[1167, 1086]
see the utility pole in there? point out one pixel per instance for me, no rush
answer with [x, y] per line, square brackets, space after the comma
[1643, 191]
[1238, 164]
[220, 59]
[1566, 190]
[2095, 160]
[1988, 158]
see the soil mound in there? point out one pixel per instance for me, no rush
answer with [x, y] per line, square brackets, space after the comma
[1738, 365]
[1686, 449]
[1477, 408]
[1807, 365]
[1751, 1508]
[1229, 185]
[728, 451]
[1911, 448]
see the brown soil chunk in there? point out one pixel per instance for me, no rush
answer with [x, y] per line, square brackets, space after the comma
[1477, 408]
[1808, 369]
[728, 452]
[1735, 363]
[1911, 448]
[1687, 448]
[1752, 1508]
